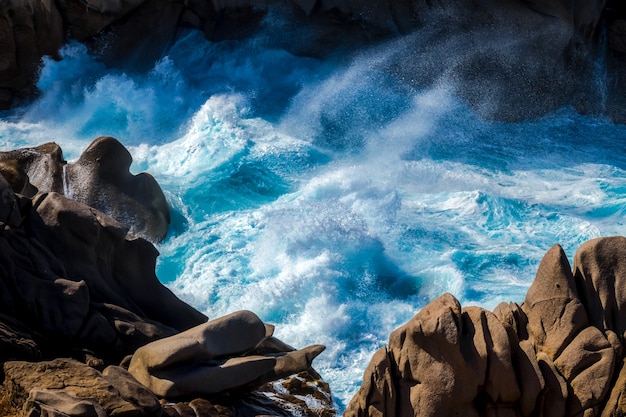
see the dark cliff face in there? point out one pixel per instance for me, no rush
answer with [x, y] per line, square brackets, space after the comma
[509, 59]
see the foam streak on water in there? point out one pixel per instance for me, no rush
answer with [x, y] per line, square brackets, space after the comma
[334, 201]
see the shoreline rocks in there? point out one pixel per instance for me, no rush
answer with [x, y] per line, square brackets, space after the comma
[79, 296]
[559, 353]
[522, 59]
[100, 179]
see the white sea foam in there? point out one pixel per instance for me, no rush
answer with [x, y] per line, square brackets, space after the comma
[335, 202]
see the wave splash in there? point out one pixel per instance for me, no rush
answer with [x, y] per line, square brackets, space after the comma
[331, 198]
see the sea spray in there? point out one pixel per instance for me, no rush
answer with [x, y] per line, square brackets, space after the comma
[334, 199]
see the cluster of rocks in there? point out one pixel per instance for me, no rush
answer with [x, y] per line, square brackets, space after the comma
[509, 58]
[79, 297]
[559, 353]
[84, 331]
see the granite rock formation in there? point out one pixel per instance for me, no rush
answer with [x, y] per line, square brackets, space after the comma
[79, 296]
[559, 353]
[510, 59]
[100, 179]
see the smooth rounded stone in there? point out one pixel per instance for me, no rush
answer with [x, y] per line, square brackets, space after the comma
[587, 364]
[101, 179]
[207, 359]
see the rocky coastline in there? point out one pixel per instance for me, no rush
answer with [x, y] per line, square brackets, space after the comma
[80, 296]
[509, 59]
[559, 353]
[78, 287]
[83, 331]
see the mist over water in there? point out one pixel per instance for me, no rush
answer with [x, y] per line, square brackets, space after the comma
[333, 198]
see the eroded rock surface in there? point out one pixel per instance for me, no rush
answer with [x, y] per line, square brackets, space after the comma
[79, 297]
[100, 179]
[559, 353]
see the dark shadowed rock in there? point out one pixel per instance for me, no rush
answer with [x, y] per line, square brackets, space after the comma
[117, 270]
[523, 58]
[29, 29]
[100, 179]
[68, 274]
[74, 283]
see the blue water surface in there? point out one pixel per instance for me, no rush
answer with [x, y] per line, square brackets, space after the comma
[329, 197]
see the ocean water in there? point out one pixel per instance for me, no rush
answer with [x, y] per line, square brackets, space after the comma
[328, 196]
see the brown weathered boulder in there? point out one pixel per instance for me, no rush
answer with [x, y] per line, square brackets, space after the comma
[558, 354]
[73, 388]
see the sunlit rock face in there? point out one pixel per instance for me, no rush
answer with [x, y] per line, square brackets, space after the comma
[559, 353]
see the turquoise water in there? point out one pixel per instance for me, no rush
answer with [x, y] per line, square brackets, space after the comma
[328, 196]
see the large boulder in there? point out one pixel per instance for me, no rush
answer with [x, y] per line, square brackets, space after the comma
[100, 179]
[558, 354]
[69, 274]
[215, 357]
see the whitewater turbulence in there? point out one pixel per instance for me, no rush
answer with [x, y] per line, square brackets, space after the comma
[331, 198]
